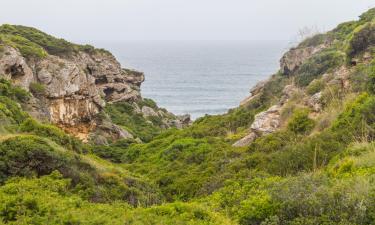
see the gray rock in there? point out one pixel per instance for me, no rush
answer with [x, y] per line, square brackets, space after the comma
[13, 66]
[246, 141]
[148, 111]
[315, 102]
[267, 122]
[291, 60]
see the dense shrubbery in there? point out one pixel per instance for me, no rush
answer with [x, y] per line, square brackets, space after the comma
[300, 123]
[362, 40]
[33, 43]
[318, 65]
[13, 92]
[31, 155]
[52, 132]
[47, 200]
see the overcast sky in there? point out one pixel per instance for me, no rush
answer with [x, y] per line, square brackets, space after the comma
[115, 20]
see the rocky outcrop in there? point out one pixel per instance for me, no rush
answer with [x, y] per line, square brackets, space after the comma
[291, 60]
[76, 87]
[268, 121]
[254, 92]
[264, 123]
[13, 66]
[315, 103]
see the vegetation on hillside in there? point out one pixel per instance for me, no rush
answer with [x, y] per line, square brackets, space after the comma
[318, 168]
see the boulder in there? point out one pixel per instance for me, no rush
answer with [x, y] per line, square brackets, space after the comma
[267, 122]
[245, 141]
[13, 66]
[315, 103]
[148, 111]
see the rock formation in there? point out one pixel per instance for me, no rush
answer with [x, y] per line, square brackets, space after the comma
[292, 59]
[76, 87]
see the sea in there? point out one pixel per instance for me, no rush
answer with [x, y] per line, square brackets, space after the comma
[199, 77]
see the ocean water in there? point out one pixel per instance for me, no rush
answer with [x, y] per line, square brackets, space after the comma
[199, 77]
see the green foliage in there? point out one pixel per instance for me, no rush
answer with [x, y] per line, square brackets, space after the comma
[313, 41]
[293, 176]
[34, 43]
[48, 200]
[49, 131]
[182, 167]
[147, 102]
[300, 123]
[27, 48]
[342, 31]
[317, 65]
[37, 89]
[357, 121]
[51, 44]
[315, 86]
[123, 114]
[23, 156]
[32, 155]
[362, 39]
[114, 151]
[13, 92]
[272, 142]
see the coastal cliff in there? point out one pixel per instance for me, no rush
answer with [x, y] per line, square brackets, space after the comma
[72, 84]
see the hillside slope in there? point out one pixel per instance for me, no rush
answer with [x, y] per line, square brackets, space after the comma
[299, 150]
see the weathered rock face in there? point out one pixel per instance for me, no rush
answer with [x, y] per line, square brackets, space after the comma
[264, 123]
[13, 66]
[291, 60]
[76, 87]
[267, 122]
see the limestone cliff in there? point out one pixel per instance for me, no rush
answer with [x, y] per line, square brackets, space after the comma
[71, 86]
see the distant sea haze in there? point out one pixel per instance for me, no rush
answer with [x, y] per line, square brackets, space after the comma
[199, 77]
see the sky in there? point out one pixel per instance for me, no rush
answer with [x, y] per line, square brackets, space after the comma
[117, 20]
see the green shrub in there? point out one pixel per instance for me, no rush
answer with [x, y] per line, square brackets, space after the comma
[361, 40]
[123, 114]
[313, 41]
[317, 65]
[315, 86]
[13, 92]
[357, 121]
[52, 132]
[37, 89]
[272, 142]
[27, 48]
[300, 123]
[24, 156]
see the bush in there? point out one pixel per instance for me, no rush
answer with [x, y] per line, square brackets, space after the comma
[52, 132]
[37, 89]
[27, 48]
[123, 114]
[315, 86]
[361, 40]
[317, 65]
[26, 155]
[300, 123]
[13, 92]
[357, 121]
